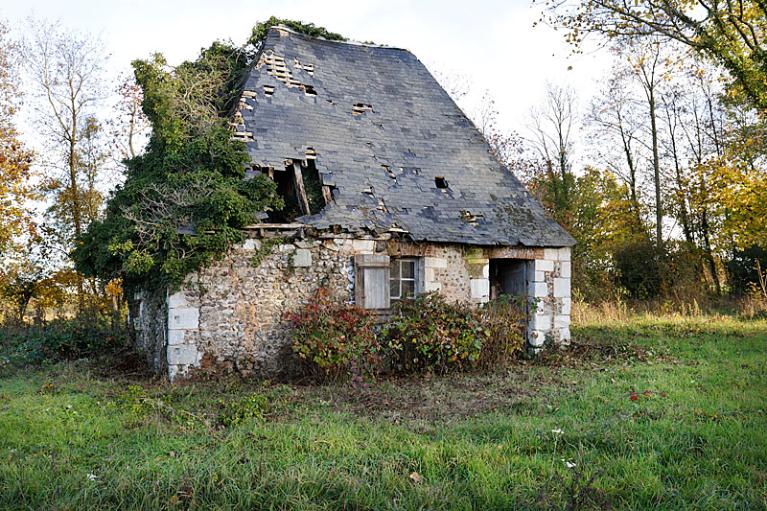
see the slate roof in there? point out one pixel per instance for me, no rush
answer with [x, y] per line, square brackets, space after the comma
[383, 129]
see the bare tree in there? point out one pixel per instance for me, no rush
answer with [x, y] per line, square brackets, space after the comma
[649, 66]
[616, 131]
[66, 70]
[551, 127]
[551, 131]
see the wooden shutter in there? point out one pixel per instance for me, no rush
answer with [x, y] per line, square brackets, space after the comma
[371, 281]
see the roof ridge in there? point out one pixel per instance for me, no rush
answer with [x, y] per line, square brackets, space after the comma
[349, 41]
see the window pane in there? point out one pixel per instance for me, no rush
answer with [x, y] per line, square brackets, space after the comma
[394, 269]
[408, 289]
[394, 288]
[408, 269]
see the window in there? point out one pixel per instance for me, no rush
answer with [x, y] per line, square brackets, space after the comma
[403, 278]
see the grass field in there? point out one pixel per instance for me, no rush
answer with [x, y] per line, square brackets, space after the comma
[652, 413]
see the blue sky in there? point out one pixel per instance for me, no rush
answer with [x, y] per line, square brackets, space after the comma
[491, 42]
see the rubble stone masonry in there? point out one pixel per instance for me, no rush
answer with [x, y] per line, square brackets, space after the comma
[229, 317]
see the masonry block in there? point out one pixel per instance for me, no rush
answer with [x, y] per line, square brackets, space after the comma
[183, 354]
[540, 322]
[561, 321]
[439, 263]
[286, 248]
[302, 258]
[175, 337]
[544, 265]
[561, 288]
[564, 335]
[552, 254]
[565, 269]
[364, 246]
[564, 254]
[177, 300]
[251, 244]
[567, 305]
[480, 289]
[430, 286]
[538, 289]
[536, 338]
[183, 318]
[539, 276]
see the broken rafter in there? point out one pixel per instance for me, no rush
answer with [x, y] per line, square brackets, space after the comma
[298, 181]
[327, 194]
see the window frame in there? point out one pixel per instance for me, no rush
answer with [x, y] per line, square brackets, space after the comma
[415, 279]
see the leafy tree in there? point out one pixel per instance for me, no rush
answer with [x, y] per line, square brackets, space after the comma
[15, 160]
[730, 33]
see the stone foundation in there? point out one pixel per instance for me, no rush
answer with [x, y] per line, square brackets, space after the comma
[229, 317]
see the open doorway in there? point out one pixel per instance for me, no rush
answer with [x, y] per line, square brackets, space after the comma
[508, 277]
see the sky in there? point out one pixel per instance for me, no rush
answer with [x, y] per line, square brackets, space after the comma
[492, 43]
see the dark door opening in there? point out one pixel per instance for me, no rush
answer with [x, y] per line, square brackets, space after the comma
[508, 277]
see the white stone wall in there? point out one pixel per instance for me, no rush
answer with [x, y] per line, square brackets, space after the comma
[551, 302]
[182, 350]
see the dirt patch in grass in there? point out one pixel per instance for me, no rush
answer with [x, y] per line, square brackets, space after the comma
[516, 389]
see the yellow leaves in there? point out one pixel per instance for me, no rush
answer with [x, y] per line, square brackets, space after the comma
[114, 288]
[739, 196]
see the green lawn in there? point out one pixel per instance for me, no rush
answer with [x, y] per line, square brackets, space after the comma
[563, 431]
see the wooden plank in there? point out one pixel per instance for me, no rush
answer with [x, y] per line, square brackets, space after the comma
[275, 226]
[326, 194]
[298, 181]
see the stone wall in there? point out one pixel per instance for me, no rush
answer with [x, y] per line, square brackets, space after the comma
[228, 317]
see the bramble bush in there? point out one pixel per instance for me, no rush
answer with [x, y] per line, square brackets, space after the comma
[334, 340]
[505, 318]
[429, 334]
[426, 334]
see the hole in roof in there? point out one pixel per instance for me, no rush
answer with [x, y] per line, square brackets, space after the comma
[441, 182]
[268, 90]
[309, 90]
[361, 108]
[389, 172]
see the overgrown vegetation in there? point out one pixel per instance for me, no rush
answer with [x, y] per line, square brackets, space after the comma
[334, 340]
[666, 413]
[61, 339]
[185, 200]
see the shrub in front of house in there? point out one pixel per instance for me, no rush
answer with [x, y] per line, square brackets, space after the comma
[334, 340]
[429, 334]
[505, 318]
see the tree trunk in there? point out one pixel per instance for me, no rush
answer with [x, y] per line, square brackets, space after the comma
[656, 171]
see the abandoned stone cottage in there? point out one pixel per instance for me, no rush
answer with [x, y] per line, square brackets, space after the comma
[390, 191]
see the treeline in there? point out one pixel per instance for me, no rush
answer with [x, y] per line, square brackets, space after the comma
[667, 197]
[660, 176]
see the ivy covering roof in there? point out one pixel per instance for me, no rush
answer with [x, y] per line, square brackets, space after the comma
[394, 149]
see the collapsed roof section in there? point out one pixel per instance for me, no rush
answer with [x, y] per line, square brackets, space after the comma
[393, 151]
